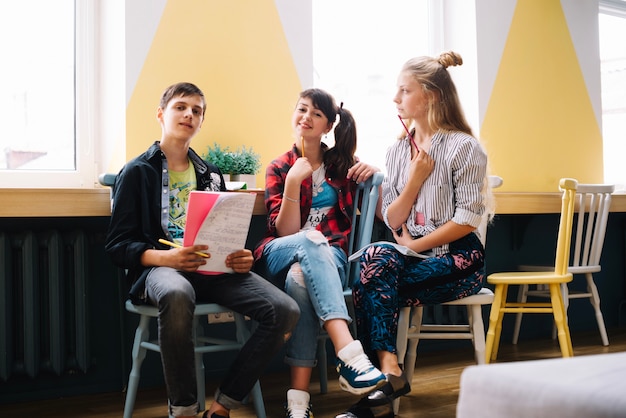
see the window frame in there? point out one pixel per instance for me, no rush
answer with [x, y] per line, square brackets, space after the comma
[615, 8]
[85, 115]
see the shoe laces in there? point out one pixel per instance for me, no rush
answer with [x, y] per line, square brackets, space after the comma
[299, 412]
[360, 363]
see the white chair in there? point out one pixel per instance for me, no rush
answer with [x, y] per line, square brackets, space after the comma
[411, 329]
[593, 202]
[360, 236]
[203, 344]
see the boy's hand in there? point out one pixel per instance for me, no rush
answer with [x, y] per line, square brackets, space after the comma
[240, 261]
[184, 259]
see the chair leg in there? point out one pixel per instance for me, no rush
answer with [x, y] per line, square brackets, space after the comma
[139, 354]
[565, 297]
[242, 333]
[199, 365]
[201, 392]
[475, 316]
[495, 318]
[396, 406]
[404, 319]
[411, 353]
[522, 295]
[257, 398]
[496, 345]
[558, 311]
[322, 364]
[595, 302]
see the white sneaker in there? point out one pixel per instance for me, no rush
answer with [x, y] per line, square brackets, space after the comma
[298, 404]
[357, 374]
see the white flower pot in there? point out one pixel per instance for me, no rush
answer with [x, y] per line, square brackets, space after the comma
[250, 179]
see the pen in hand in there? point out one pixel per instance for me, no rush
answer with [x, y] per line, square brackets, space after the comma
[173, 244]
[408, 133]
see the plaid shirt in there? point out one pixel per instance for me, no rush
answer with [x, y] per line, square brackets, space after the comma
[336, 226]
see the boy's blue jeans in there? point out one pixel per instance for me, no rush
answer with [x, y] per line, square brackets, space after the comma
[313, 273]
[176, 293]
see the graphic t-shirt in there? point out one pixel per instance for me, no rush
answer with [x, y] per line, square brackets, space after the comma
[181, 184]
[324, 198]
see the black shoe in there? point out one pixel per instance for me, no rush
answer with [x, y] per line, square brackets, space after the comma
[213, 415]
[395, 387]
[363, 410]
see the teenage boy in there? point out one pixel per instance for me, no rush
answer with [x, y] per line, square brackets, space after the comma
[149, 201]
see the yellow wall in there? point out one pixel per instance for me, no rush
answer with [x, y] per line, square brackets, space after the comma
[538, 99]
[540, 123]
[239, 57]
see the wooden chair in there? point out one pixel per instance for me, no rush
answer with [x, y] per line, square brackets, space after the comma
[411, 329]
[360, 236]
[593, 202]
[203, 344]
[553, 279]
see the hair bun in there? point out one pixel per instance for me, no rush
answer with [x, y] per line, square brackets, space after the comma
[449, 58]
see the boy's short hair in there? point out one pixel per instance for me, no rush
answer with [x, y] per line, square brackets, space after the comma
[181, 89]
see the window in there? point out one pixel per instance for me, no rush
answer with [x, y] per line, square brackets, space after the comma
[46, 91]
[612, 23]
[358, 50]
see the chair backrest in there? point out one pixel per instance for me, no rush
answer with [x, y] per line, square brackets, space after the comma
[107, 179]
[561, 261]
[361, 234]
[593, 202]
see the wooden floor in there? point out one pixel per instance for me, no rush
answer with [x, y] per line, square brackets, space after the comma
[435, 386]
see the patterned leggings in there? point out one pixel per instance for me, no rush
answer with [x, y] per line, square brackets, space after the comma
[390, 280]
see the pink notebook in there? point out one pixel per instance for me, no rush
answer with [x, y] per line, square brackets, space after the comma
[220, 220]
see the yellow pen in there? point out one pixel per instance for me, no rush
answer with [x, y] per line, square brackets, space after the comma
[173, 244]
[302, 139]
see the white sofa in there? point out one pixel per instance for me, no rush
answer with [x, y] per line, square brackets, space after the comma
[584, 386]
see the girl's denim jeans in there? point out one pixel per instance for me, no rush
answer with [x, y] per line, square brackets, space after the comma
[313, 273]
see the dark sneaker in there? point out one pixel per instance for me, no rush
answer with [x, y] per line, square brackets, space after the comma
[395, 387]
[213, 415]
[362, 410]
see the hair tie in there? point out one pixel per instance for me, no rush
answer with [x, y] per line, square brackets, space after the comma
[340, 105]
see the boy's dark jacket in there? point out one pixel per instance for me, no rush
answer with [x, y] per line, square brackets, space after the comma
[140, 211]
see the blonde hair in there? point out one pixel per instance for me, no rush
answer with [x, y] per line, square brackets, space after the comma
[444, 108]
[444, 111]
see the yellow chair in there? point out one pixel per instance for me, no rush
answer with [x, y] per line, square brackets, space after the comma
[553, 279]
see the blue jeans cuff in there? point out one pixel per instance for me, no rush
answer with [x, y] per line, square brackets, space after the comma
[300, 363]
[226, 400]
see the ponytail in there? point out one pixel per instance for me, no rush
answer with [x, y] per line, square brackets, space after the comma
[341, 156]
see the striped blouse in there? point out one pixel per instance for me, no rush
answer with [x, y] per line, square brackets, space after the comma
[451, 192]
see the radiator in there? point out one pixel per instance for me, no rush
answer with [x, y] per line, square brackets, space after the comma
[43, 297]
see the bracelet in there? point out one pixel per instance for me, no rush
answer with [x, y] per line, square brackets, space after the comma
[291, 200]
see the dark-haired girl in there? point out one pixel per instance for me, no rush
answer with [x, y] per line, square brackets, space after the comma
[309, 198]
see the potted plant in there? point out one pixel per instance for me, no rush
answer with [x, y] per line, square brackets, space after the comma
[242, 161]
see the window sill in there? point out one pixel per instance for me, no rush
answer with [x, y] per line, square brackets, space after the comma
[42, 203]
